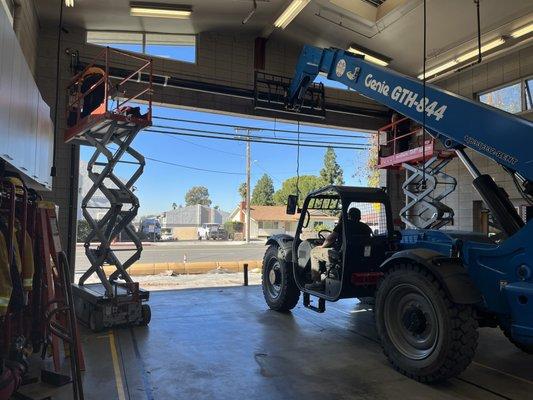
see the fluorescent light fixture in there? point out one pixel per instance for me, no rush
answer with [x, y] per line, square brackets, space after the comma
[522, 31]
[69, 3]
[484, 48]
[290, 13]
[438, 69]
[369, 57]
[463, 57]
[158, 10]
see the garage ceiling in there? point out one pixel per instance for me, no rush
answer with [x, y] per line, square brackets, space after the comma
[392, 28]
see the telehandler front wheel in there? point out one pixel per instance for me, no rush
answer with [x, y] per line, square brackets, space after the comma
[279, 288]
[423, 333]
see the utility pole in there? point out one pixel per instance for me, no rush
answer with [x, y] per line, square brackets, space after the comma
[248, 174]
[248, 189]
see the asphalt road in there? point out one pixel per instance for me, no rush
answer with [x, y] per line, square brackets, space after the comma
[195, 251]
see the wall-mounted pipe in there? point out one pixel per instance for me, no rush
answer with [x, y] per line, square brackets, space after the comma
[251, 14]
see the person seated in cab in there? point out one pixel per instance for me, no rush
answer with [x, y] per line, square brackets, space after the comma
[331, 248]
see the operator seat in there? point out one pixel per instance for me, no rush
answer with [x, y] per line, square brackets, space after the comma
[358, 238]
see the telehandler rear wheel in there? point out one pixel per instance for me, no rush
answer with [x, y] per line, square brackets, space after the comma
[423, 333]
[279, 288]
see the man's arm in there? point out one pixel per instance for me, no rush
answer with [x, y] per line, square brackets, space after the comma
[330, 240]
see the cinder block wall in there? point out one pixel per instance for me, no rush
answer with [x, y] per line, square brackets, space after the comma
[469, 83]
[26, 27]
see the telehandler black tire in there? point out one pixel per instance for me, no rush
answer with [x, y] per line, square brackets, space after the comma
[279, 288]
[423, 333]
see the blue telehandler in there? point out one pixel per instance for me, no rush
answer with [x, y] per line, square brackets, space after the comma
[432, 288]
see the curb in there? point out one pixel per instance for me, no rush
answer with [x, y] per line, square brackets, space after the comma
[139, 269]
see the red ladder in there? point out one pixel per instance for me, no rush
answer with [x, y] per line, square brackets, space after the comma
[59, 318]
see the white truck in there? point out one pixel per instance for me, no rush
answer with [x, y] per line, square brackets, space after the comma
[212, 231]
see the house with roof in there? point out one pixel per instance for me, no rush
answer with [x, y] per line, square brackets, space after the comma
[271, 220]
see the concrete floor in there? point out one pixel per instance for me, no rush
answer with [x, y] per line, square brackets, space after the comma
[224, 343]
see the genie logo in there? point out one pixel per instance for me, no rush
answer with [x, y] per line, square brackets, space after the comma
[340, 69]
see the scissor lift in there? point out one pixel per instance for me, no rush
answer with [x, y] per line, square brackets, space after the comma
[100, 115]
[426, 184]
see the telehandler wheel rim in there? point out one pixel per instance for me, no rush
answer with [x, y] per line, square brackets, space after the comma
[411, 321]
[274, 278]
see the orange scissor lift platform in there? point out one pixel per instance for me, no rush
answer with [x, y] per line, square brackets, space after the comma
[97, 120]
[421, 151]
[104, 111]
[426, 184]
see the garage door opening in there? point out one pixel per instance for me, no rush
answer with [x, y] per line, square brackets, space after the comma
[192, 192]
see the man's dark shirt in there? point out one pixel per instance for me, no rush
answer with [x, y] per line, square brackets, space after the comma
[354, 228]
[359, 228]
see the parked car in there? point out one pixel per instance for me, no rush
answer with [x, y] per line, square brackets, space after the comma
[167, 237]
[212, 231]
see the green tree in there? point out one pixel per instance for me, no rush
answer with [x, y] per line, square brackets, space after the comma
[372, 164]
[263, 194]
[331, 173]
[242, 191]
[233, 227]
[197, 195]
[306, 184]
[83, 231]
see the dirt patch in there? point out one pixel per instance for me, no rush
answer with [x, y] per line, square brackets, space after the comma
[215, 279]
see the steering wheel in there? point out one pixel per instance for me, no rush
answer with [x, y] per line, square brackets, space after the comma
[320, 233]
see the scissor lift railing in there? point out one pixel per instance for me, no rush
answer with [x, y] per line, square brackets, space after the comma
[115, 91]
[426, 184]
[110, 128]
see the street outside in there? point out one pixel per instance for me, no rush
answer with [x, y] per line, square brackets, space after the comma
[194, 251]
[164, 252]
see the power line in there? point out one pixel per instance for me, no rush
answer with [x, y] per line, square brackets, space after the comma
[259, 140]
[203, 146]
[226, 152]
[263, 139]
[193, 168]
[260, 128]
[267, 172]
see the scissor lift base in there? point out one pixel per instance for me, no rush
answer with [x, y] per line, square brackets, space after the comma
[99, 312]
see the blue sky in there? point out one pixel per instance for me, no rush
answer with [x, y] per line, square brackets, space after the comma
[162, 184]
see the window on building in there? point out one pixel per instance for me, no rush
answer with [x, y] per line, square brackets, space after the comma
[163, 45]
[175, 47]
[513, 98]
[528, 93]
[268, 224]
